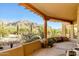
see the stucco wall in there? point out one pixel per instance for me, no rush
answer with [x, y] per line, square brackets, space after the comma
[18, 51]
[29, 48]
[23, 50]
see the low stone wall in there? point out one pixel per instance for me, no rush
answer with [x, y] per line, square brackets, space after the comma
[23, 50]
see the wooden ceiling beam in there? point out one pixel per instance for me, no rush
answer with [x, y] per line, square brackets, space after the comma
[60, 19]
[32, 8]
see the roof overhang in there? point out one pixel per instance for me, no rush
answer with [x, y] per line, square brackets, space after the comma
[59, 11]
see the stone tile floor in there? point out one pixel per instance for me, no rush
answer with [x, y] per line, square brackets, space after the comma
[59, 49]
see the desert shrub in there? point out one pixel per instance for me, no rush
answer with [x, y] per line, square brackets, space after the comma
[4, 32]
[29, 37]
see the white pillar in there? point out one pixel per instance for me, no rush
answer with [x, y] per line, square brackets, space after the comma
[72, 31]
[78, 24]
[63, 29]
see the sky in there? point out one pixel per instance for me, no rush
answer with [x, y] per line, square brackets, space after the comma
[12, 12]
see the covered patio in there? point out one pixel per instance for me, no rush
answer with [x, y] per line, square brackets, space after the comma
[67, 13]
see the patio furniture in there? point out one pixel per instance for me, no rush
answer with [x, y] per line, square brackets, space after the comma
[50, 43]
[71, 53]
[77, 49]
[58, 39]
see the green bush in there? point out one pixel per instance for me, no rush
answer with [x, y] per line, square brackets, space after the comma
[30, 37]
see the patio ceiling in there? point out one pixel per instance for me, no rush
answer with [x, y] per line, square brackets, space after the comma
[58, 11]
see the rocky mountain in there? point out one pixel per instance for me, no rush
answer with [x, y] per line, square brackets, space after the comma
[22, 22]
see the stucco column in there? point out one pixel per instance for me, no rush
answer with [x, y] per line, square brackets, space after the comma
[78, 24]
[63, 29]
[72, 31]
[45, 30]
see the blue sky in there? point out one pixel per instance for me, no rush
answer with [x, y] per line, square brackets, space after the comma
[14, 12]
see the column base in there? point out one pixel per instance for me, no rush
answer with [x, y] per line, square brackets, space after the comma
[45, 44]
